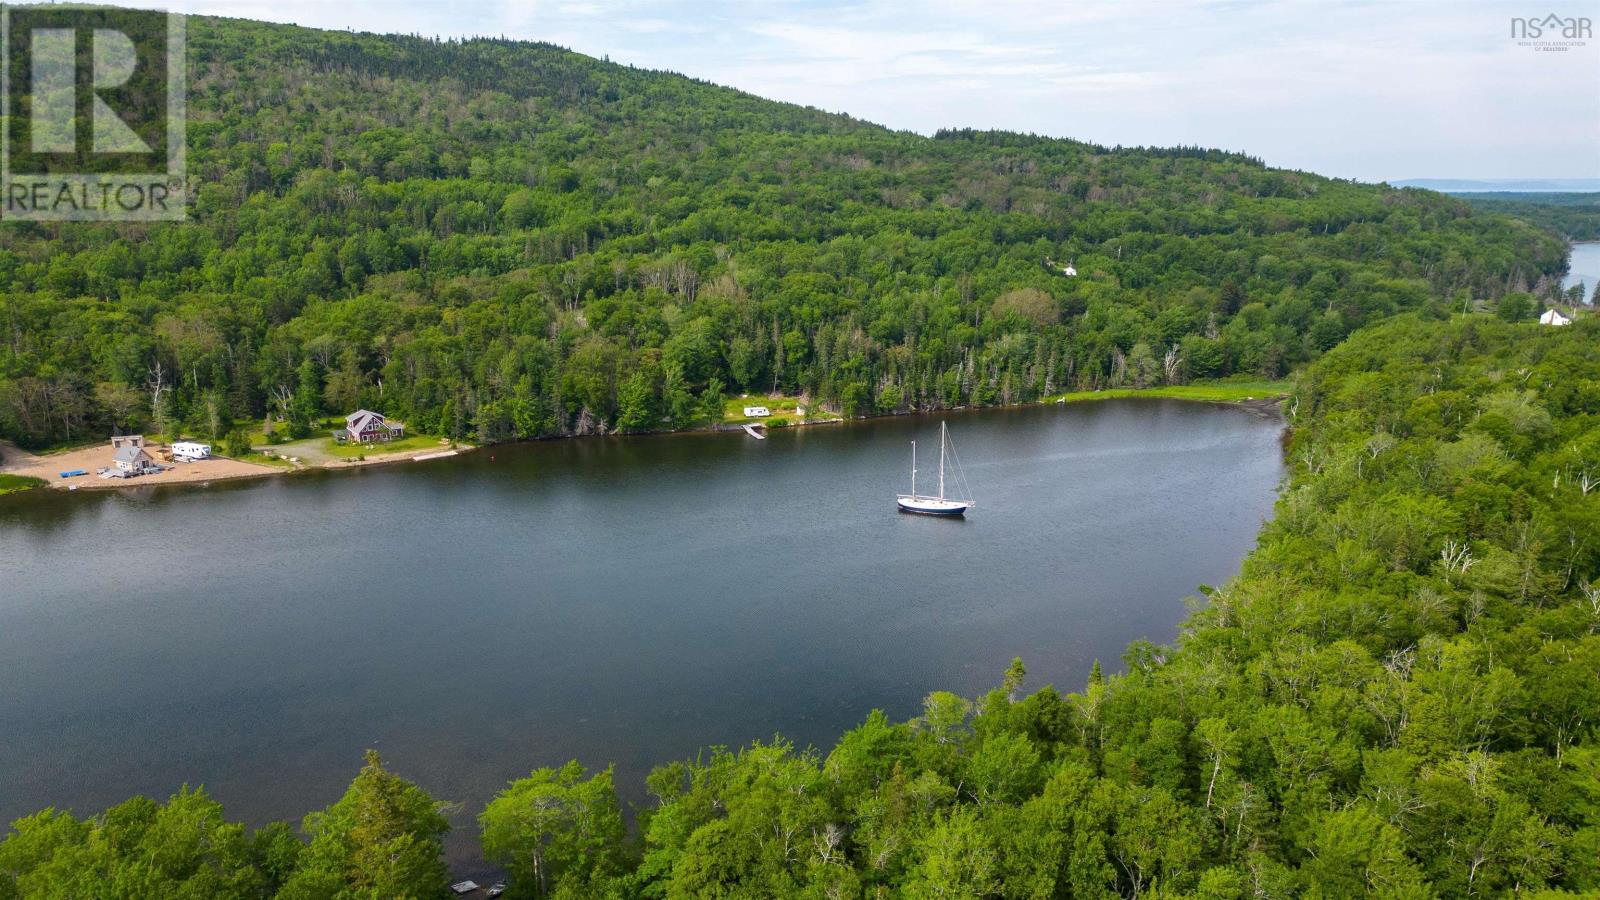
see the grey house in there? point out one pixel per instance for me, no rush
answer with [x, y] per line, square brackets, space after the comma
[131, 460]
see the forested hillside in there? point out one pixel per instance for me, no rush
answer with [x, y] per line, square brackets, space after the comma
[1575, 217]
[498, 240]
[1395, 698]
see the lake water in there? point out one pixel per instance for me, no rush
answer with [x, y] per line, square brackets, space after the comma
[1583, 264]
[624, 600]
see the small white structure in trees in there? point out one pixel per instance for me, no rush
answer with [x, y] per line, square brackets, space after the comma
[1554, 317]
[1070, 271]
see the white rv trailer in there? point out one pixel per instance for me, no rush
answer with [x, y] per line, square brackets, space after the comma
[190, 450]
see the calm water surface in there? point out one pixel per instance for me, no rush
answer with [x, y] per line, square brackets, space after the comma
[624, 600]
[1583, 265]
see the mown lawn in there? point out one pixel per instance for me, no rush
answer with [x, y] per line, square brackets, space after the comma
[781, 407]
[410, 443]
[1216, 391]
[261, 459]
[322, 428]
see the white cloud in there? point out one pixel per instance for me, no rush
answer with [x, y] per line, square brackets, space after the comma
[1400, 88]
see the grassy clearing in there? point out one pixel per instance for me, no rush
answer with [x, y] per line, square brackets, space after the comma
[13, 484]
[261, 459]
[785, 408]
[320, 447]
[321, 428]
[1213, 391]
[411, 443]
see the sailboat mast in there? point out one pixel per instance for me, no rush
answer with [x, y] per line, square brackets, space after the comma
[941, 460]
[913, 468]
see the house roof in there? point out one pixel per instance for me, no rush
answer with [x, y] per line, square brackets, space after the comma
[131, 454]
[357, 421]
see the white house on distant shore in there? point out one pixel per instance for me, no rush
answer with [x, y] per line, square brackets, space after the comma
[1554, 317]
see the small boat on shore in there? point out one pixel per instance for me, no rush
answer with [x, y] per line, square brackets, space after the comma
[938, 505]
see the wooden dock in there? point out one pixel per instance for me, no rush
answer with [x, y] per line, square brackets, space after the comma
[751, 430]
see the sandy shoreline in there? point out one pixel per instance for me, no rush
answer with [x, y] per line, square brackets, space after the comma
[48, 467]
[91, 459]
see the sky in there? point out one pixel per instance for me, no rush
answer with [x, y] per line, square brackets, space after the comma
[1378, 91]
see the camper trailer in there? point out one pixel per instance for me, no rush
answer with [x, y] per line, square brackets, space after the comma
[190, 450]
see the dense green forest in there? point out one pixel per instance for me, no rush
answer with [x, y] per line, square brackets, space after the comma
[497, 240]
[1396, 698]
[1575, 216]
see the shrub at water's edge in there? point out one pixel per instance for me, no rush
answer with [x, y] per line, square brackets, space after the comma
[11, 484]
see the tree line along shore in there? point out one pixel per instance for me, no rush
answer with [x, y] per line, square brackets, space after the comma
[495, 240]
[248, 458]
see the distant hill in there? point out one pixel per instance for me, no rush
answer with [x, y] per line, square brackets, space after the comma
[1574, 216]
[1518, 185]
[497, 240]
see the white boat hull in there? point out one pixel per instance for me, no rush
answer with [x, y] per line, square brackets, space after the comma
[932, 506]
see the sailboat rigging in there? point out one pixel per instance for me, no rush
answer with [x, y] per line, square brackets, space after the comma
[939, 505]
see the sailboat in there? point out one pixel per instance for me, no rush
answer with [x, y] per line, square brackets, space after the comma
[939, 505]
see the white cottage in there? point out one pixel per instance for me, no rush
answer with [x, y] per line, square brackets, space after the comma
[131, 460]
[1553, 317]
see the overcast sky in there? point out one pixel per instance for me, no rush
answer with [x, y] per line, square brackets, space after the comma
[1371, 90]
